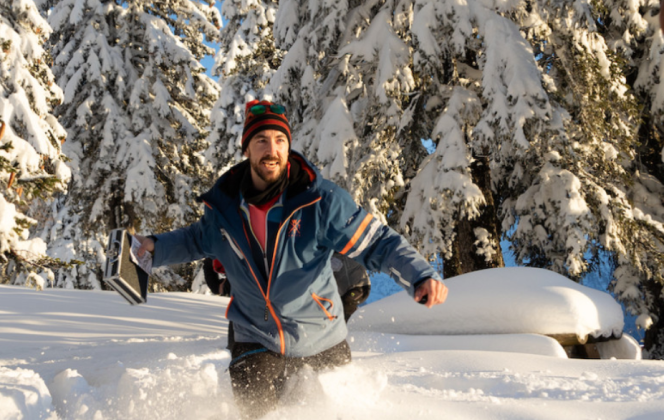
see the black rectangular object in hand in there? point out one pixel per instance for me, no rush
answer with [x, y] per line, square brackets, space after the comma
[127, 278]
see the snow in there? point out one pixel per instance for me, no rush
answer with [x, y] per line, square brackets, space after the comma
[558, 192]
[444, 183]
[625, 348]
[501, 301]
[10, 240]
[332, 135]
[23, 394]
[372, 342]
[7, 214]
[392, 72]
[286, 23]
[486, 246]
[73, 354]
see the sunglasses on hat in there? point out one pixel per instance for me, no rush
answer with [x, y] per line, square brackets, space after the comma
[262, 109]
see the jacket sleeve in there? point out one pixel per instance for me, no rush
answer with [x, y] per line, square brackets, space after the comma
[181, 245]
[352, 231]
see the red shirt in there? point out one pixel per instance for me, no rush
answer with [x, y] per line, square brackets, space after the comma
[257, 216]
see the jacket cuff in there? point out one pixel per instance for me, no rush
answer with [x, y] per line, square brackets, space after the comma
[434, 277]
[419, 282]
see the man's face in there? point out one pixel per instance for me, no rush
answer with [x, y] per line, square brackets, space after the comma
[268, 155]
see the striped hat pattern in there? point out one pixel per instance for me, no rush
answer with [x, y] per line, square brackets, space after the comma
[254, 124]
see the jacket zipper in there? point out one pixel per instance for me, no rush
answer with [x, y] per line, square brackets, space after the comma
[251, 229]
[319, 300]
[266, 295]
[269, 280]
[266, 316]
[276, 242]
[268, 306]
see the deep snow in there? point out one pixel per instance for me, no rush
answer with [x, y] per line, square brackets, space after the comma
[70, 354]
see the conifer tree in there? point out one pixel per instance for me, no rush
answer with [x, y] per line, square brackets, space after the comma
[136, 107]
[32, 166]
[245, 63]
[530, 108]
[632, 30]
[347, 81]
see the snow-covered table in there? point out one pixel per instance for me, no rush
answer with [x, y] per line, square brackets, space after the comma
[504, 301]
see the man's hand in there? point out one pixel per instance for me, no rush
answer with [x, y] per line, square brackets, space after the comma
[147, 244]
[434, 291]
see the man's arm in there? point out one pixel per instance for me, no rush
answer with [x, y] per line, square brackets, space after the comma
[178, 246]
[353, 232]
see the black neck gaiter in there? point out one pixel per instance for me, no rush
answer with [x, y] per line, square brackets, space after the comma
[257, 198]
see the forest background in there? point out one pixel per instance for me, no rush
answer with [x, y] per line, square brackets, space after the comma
[458, 123]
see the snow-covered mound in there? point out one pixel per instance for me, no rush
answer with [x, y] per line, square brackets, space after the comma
[374, 342]
[23, 394]
[500, 301]
[624, 348]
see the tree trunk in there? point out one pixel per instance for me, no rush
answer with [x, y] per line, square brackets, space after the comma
[465, 258]
[654, 338]
[651, 144]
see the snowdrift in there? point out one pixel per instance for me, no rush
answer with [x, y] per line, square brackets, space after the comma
[375, 342]
[501, 301]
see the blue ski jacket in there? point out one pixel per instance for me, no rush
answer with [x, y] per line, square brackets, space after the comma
[288, 300]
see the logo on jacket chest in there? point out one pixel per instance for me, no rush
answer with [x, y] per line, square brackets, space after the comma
[294, 228]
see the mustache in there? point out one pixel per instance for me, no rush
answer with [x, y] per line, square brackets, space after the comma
[269, 159]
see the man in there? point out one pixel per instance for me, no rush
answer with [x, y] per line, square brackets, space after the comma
[274, 222]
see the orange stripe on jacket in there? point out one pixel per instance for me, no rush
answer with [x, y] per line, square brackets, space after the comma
[229, 306]
[358, 234]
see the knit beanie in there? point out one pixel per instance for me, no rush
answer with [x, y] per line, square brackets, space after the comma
[265, 118]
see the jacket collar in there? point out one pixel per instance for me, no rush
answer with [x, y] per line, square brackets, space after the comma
[303, 185]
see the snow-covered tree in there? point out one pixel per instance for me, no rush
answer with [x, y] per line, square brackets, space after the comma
[533, 109]
[136, 107]
[372, 79]
[31, 164]
[245, 64]
[631, 29]
[348, 82]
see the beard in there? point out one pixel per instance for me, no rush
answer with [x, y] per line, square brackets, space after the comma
[264, 173]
